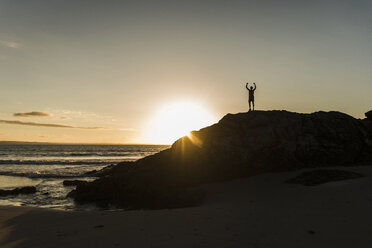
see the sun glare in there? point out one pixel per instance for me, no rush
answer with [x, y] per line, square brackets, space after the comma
[176, 120]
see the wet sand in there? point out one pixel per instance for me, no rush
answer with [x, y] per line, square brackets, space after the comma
[260, 211]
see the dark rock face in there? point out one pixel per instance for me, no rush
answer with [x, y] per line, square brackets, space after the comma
[117, 191]
[369, 115]
[368, 126]
[316, 177]
[24, 190]
[73, 182]
[238, 145]
[111, 169]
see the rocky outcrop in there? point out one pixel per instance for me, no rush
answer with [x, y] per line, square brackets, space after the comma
[368, 126]
[24, 190]
[369, 115]
[73, 182]
[110, 169]
[238, 145]
[316, 177]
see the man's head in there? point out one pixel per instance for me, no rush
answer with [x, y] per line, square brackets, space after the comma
[251, 87]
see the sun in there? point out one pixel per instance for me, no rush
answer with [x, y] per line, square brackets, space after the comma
[175, 120]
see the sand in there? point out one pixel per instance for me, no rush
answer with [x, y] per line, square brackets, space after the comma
[260, 211]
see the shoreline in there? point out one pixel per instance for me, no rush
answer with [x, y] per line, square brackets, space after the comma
[259, 211]
[46, 167]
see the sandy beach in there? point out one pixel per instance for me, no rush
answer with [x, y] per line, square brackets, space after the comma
[261, 211]
[181, 124]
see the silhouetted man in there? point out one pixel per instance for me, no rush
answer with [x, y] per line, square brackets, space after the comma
[251, 95]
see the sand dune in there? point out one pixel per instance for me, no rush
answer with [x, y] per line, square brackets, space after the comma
[260, 211]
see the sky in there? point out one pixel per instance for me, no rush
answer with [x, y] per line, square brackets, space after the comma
[100, 71]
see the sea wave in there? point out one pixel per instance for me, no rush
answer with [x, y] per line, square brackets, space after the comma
[63, 162]
[80, 154]
[100, 154]
[40, 175]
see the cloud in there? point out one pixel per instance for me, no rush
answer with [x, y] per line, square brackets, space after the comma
[9, 44]
[127, 129]
[36, 124]
[32, 114]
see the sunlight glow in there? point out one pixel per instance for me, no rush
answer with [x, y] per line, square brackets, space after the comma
[176, 120]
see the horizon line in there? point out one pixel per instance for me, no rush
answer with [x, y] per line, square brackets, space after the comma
[72, 143]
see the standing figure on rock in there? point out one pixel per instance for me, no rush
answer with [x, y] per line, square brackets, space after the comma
[251, 95]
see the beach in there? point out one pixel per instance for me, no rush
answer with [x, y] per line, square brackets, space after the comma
[260, 211]
[181, 124]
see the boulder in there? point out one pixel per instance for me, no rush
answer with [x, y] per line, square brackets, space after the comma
[369, 115]
[73, 182]
[316, 177]
[367, 122]
[24, 190]
[110, 169]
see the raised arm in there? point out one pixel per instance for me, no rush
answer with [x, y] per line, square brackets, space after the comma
[254, 86]
[246, 86]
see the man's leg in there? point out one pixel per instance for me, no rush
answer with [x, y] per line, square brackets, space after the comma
[253, 105]
[249, 103]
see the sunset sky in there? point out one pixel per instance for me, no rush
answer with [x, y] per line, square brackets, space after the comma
[106, 71]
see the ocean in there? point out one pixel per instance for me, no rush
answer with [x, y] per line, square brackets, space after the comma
[47, 166]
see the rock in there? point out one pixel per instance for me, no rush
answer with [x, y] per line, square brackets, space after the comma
[90, 173]
[135, 194]
[239, 145]
[369, 115]
[368, 126]
[71, 194]
[24, 190]
[73, 182]
[110, 169]
[316, 177]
